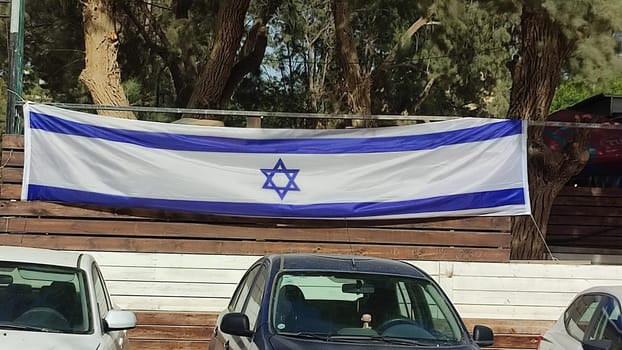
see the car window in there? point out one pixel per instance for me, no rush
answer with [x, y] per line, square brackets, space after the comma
[239, 296]
[43, 296]
[101, 294]
[578, 315]
[607, 322]
[358, 304]
[255, 297]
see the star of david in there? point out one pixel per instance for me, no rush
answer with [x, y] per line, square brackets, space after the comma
[280, 170]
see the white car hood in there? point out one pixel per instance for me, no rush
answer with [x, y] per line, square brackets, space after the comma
[26, 340]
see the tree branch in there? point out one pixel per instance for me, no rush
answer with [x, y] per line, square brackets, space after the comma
[155, 39]
[253, 50]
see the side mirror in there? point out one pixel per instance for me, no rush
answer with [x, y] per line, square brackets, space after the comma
[236, 323]
[483, 335]
[118, 320]
[601, 344]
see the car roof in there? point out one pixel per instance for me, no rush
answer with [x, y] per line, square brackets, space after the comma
[613, 290]
[346, 263]
[39, 256]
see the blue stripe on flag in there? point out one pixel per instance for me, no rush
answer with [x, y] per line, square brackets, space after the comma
[199, 143]
[477, 200]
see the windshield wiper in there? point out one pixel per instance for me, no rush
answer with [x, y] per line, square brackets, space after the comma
[320, 336]
[419, 341]
[398, 340]
[389, 340]
[23, 327]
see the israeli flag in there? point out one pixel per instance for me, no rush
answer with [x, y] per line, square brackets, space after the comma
[462, 167]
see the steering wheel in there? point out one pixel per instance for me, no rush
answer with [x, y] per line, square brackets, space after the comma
[403, 327]
[45, 317]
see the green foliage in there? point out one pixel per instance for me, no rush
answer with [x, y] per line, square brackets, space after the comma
[463, 52]
[573, 91]
[569, 93]
[591, 28]
[53, 50]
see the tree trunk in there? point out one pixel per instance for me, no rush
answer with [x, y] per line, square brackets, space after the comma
[536, 70]
[357, 84]
[252, 52]
[101, 74]
[213, 79]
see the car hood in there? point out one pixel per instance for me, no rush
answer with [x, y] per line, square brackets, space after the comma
[22, 340]
[280, 342]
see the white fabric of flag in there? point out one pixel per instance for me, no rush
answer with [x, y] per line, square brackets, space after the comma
[461, 167]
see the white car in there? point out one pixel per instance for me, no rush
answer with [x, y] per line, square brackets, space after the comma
[591, 322]
[57, 300]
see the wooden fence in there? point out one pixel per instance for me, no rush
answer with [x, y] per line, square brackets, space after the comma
[587, 218]
[182, 313]
[113, 229]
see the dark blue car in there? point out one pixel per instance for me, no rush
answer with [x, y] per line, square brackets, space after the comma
[310, 301]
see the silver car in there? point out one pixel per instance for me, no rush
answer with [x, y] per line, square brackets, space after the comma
[57, 300]
[591, 322]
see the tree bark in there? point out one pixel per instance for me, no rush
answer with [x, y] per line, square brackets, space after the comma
[213, 79]
[357, 83]
[536, 70]
[101, 74]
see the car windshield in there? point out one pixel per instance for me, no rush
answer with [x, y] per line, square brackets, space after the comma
[43, 298]
[363, 307]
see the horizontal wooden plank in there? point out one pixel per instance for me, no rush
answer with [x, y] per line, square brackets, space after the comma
[223, 263]
[141, 344]
[282, 234]
[501, 224]
[510, 312]
[13, 158]
[176, 318]
[526, 284]
[563, 229]
[558, 270]
[10, 191]
[590, 191]
[601, 242]
[516, 341]
[582, 221]
[173, 289]
[57, 210]
[614, 201]
[12, 141]
[585, 210]
[161, 332]
[162, 245]
[486, 297]
[502, 326]
[169, 304]
[12, 175]
[170, 274]
[39, 209]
